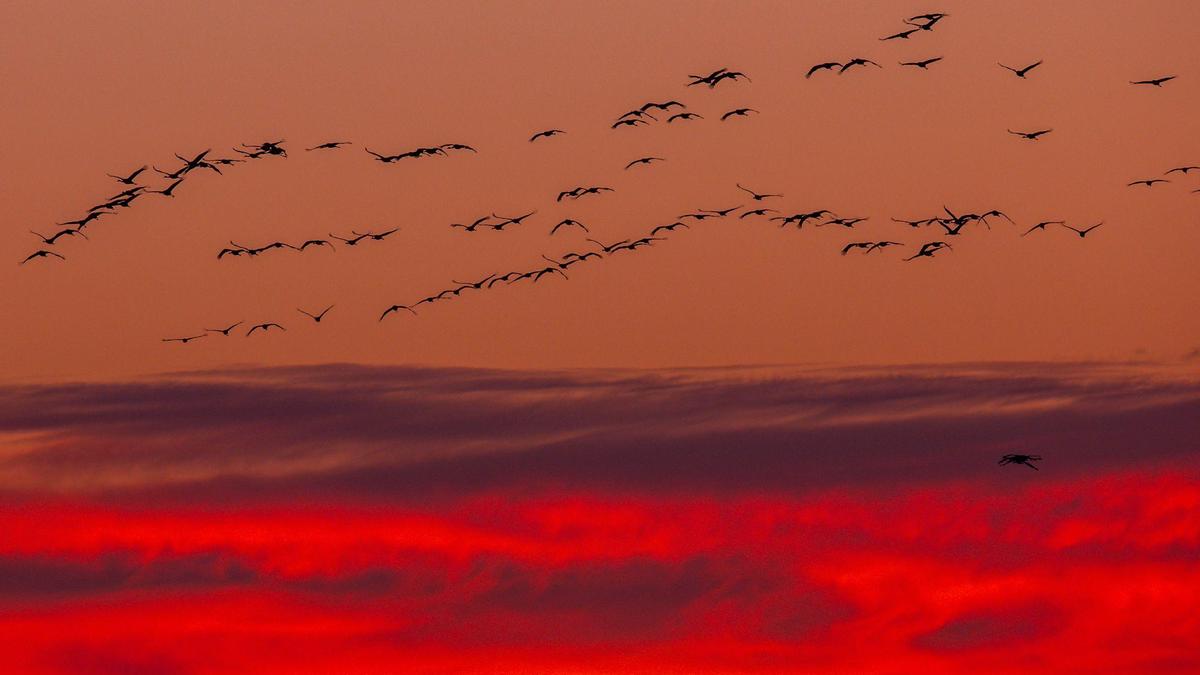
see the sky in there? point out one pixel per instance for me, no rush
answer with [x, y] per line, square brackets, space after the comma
[733, 451]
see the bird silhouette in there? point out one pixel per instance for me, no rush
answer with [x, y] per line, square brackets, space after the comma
[722, 212]
[386, 159]
[83, 222]
[232, 251]
[1021, 72]
[316, 242]
[902, 35]
[639, 113]
[329, 145]
[923, 64]
[41, 253]
[1083, 233]
[857, 61]
[929, 248]
[738, 112]
[568, 222]
[1030, 135]
[69, 232]
[643, 160]
[224, 331]
[1179, 169]
[376, 237]
[756, 212]
[662, 106]
[457, 146]
[1020, 459]
[509, 221]
[395, 308]
[128, 180]
[828, 65]
[594, 191]
[315, 317]
[608, 248]
[684, 116]
[170, 189]
[349, 242]
[844, 222]
[883, 244]
[1149, 182]
[546, 134]
[1156, 82]
[479, 222]
[668, 228]
[266, 328]
[929, 19]
[474, 284]
[754, 195]
[1042, 225]
[632, 122]
[857, 244]
[185, 340]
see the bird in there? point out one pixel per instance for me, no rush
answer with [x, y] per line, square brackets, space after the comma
[128, 180]
[224, 331]
[316, 242]
[225, 161]
[573, 193]
[1083, 233]
[41, 253]
[474, 284]
[829, 65]
[844, 222]
[569, 222]
[386, 159]
[756, 212]
[266, 328]
[902, 35]
[394, 308]
[1021, 72]
[349, 242]
[376, 237]
[722, 212]
[858, 244]
[684, 116]
[930, 19]
[699, 216]
[69, 232]
[715, 78]
[510, 221]
[917, 223]
[669, 228]
[128, 193]
[475, 225]
[1157, 82]
[883, 244]
[857, 61]
[185, 340]
[1030, 135]
[929, 248]
[457, 146]
[329, 145]
[705, 79]
[231, 251]
[595, 191]
[315, 317]
[170, 189]
[608, 248]
[1179, 169]
[632, 122]
[639, 113]
[924, 64]
[1042, 225]
[662, 106]
[1149, 182]
[644, 160]
[82, 222]
[1020, 459]
[739, 112]
[546, 134]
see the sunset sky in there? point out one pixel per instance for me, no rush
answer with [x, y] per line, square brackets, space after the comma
[734, 451]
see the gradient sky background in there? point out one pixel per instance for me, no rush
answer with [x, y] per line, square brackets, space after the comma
[735, 451]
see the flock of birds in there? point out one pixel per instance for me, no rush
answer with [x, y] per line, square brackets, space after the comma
[948, 222]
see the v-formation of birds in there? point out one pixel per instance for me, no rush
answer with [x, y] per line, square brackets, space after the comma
[671, 112]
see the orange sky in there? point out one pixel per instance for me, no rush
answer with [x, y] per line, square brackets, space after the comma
[96, 88]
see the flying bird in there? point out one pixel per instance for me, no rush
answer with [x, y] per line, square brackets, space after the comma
[830, 65]
[928, 249]
[756, 212]
[857, 61]
[669, 228]
[631, 122]
[923, 65]
[510, 221]
[386, 159]
[661, 106]
[1030, 135]
[185, 340]
[739, 112]
[41, 253]
[395, 308]
[330, 145]
[316, 242]
[127, 180]
[1027, 460]
[546, 134]
[1149, 182]
[1157, 82]
[684, 116]
[1083, 233]
[1042, 225]
[266, 328]
[349, 242]
[170, 189]
[858, 244]
[315, 317]
[69, 232]
[82, 222]
[457, 146]
[568, 222]
[224, 331]
[479, 222]
[1021, 72]
[376, 237]
[644, 160]
[883, 244]
[902, 35]
[1179, 169]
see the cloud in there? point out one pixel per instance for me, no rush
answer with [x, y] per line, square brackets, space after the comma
[419, 433]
